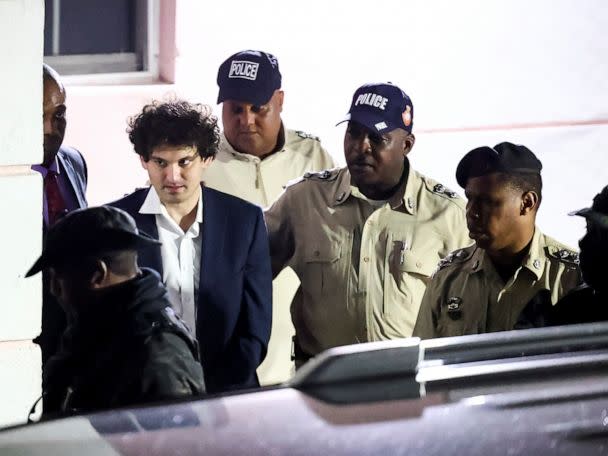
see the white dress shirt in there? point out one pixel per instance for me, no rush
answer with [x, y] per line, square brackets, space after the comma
[181, 257]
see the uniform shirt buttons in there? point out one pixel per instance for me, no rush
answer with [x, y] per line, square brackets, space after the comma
[317, 253]
[418, 264]
[366, 259]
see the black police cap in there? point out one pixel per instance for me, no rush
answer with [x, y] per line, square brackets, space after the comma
[598, 212]
[505, 158]
[88, 232]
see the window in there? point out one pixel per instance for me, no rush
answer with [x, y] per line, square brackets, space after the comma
[100, 36]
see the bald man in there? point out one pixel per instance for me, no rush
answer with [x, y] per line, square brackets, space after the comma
[64, 173]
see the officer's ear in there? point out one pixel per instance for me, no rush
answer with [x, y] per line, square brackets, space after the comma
[280, 96]
[408, 143]
[99, 274]
[529, 202]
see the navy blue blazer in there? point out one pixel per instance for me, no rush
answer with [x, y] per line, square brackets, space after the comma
[234, 309]
[72, 165]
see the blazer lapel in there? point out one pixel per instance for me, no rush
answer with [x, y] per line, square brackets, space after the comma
[71, 173]
[214, 221]
[150, 256]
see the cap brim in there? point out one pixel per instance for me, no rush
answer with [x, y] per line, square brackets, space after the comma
[115, 240]
[369, 121]
[346, 119]
[38, 266]
[584, 212]
[245, 95]
[599, 218]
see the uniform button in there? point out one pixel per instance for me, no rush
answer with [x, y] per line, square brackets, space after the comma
[418, 264]
[317, 253]
[366, 259]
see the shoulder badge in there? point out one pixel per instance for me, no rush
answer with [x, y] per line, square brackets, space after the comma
[305, 135]
[325, 175]
[457, 256]
[564, 255]
[440, 189]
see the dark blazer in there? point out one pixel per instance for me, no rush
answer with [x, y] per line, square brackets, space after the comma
[234, 309]
[72, 165]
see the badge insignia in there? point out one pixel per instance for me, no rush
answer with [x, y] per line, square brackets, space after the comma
[321, 175]
[407, 116]
[456, 256]
[441, 189]
[453, 306]
[410, 203]
[304, 135]
[565, 255]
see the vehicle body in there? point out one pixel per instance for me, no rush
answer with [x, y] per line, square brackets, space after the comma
[542, 391]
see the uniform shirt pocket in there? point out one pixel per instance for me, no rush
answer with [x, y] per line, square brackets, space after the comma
[407, 274]
[320, 272]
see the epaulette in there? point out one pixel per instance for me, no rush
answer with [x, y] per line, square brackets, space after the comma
[440, 189]
[455, 257]
[325, 175]
[304, 135]
[295, 181]
[173, 320]
[563, 255]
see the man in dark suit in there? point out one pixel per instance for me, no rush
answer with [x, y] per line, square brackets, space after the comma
[214, 256]
[64, 173]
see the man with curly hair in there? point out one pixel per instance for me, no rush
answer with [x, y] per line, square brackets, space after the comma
[214, 256]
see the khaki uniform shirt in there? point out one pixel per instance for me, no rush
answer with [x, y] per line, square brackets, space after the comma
[363, 269]
[261, 182]
[467, 295]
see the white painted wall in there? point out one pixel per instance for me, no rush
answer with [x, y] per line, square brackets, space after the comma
[21, 34]
[476, 70]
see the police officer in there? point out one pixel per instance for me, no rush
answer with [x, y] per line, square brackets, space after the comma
[257, 154]
[364, 239]
[589, 301]
[124, 344]
[256, 158]
[485, 287]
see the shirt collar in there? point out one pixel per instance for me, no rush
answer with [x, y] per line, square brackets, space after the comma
[410, 191]
[534, 261]
[405, 196]
[43, 170]
[153, 205]
[280, 147]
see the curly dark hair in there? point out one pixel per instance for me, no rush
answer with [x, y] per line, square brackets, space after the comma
[174, 123]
